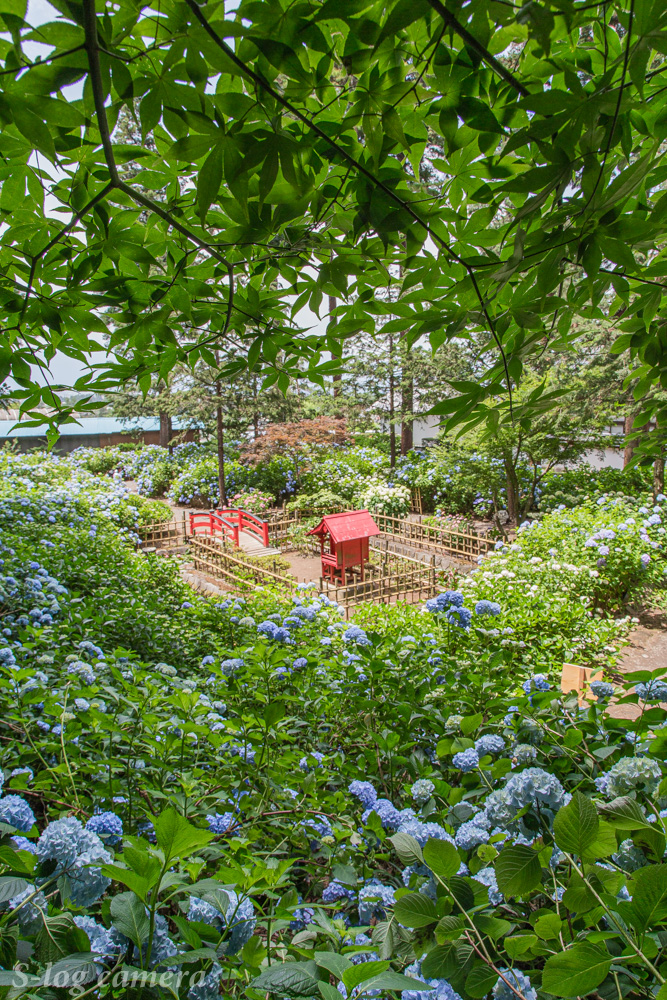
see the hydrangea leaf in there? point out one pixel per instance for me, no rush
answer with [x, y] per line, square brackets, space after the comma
[291, 979]
[58, 937]
[604, 844]
[576, 825]
[442, 858]
[346, 873]
[649, 897]
[449, 928]
[576, 971]
[519, 944]
[479, 981]
[328, 992]
[441, 962]
[357, 974]
[10, 886]
[407, 848]
[494, 927]
[470, 723]
[578, 897]
[176, 836]
[143, 978]
[129, 916]
[333, 962]
[392, 981]
[518, 870]
[624, 813]
[415, 910]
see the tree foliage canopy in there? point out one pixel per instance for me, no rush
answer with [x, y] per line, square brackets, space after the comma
[500, 164]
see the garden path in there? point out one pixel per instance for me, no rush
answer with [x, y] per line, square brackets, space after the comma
[646, 650]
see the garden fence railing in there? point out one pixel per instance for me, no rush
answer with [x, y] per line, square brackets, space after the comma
[163, 534]
[466, 545]
[210, 556]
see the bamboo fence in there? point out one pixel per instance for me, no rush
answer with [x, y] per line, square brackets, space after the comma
[410, 581]
[163, 534]
[466, 545]
[210, 556]
[462, 544]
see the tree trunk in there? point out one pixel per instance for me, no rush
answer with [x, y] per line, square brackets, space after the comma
[337, 379]
[659, 475]
[629, 445]
[392, 425]
[632, 438]
[165, 430]
[659, 465]
[512, 490]
[221, 445]
[407, 402]
[220, 435]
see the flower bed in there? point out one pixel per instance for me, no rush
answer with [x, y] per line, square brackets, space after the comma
[255, 796]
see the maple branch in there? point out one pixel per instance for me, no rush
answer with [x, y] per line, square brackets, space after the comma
[477, 47]
[264, 84]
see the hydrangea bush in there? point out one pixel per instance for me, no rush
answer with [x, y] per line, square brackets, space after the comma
[241, 797]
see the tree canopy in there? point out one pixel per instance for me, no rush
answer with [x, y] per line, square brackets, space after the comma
[498, 165]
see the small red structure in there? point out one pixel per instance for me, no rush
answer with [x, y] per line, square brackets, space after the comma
[348, 535]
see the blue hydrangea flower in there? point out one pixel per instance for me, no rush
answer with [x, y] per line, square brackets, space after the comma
[653, 691]
[78, 853]
[601, 690]
[335, 891]
[29, 916]
[356, 635]
[238, 918]
[487, 608]
[301, 917]
[389, 815]
[15, 811]
[230, 667]
[306, 764]
[460, 616]
[466, 760]
[630, 774]
[102, 942]
[374, 900]
[518, 979]
[422, 790]
[220, 823]
[319, 824]
[441, 989]
[424, 831]
[364, 791]
[108, 827]
[470, 835]
[206, 986]
[536, 683]
[489, 744]
[487, 877]
[535, 789]
[23, 844]
[300, 663]
[630, 858]
[523, 753]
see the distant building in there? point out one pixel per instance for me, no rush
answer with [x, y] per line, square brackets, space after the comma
[95, 432]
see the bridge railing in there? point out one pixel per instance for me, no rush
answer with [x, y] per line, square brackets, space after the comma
[212, 523]
[245, 520]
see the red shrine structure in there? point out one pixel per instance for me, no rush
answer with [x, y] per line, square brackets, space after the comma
[348, 535]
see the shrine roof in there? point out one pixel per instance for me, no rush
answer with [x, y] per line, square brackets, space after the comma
[348, 526]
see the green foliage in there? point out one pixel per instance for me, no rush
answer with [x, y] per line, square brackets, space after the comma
[521, 836]
[534, 179]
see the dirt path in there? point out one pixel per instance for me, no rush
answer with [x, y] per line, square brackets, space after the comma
[647, 650]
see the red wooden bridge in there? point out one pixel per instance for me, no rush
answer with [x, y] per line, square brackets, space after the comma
[244, 529]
